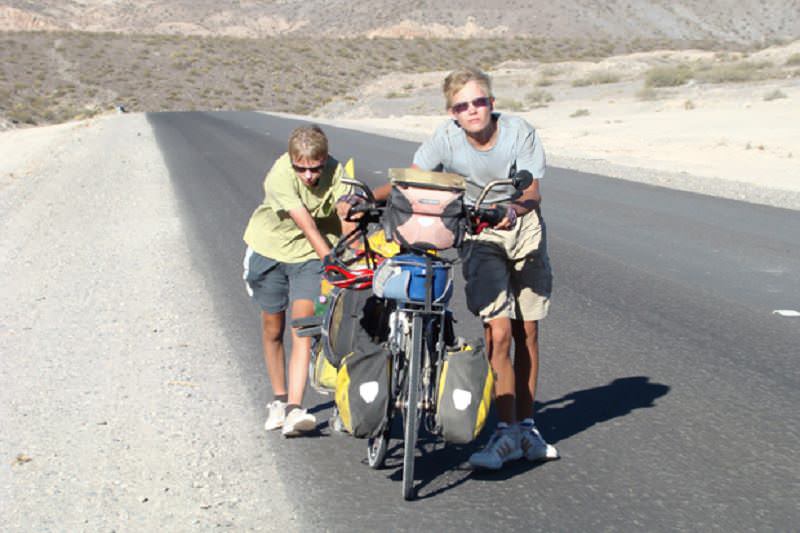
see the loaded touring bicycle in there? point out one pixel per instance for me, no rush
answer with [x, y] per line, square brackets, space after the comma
[385, 346]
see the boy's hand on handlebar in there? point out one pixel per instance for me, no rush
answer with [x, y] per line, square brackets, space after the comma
[509, 219]
[345, 205]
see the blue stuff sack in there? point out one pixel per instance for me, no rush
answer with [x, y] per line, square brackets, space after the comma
[402, 278]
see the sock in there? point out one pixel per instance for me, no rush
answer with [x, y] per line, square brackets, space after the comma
[281, 397]
[291, 407]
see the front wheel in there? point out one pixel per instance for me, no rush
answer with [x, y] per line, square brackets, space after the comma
[410, 418]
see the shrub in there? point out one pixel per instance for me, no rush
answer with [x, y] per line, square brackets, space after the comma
[774, 95]
[550, 72]
[737, 72]
[647, 94]
[793, 60]
[599, 77]
[539, 98]
[580, 113]
[667, 76]
[510, 104]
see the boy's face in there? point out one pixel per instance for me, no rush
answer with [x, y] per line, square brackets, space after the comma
[308, 171]
[472, 107]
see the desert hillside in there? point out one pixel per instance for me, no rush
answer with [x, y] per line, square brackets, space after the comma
[740, 21]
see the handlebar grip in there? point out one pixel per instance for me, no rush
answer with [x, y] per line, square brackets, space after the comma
[362, 207]
[369, 212]
[356, 209]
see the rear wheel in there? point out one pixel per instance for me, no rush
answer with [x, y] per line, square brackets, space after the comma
[411, 418]
[376, 450]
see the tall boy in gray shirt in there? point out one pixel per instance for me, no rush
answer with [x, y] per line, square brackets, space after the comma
[506, 268]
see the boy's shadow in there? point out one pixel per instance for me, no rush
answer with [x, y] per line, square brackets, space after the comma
[557, 419]
[564, 417]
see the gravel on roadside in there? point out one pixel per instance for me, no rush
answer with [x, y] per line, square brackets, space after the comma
[121, 406]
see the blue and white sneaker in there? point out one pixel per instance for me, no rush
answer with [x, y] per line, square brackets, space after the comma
[533, 445]
[502, 447]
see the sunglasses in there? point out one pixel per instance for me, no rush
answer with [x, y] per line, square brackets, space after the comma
[313, 170]
[483, 101]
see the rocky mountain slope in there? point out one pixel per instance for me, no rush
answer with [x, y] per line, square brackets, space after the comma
[740, 21]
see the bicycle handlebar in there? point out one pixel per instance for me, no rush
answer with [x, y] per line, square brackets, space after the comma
[370, 210]
[363, 186]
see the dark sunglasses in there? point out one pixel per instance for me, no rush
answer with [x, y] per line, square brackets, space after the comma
[483, 101]
[302, 170]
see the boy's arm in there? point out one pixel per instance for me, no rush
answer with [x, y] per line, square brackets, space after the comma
[382, 192]
[306, 223]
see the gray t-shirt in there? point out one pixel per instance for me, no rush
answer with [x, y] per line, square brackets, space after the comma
[517, 148]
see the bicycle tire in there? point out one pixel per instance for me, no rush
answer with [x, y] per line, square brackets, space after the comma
[376, 450]
[411, 420]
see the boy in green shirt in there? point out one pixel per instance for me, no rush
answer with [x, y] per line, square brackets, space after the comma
[302, 213]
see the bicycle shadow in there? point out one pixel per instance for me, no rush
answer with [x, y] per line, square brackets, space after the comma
[557, 420]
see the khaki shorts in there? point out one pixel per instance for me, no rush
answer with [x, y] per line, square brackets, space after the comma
[507, 272]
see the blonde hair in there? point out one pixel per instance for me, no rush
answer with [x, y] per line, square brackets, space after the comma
[308, 142]
[456, 80]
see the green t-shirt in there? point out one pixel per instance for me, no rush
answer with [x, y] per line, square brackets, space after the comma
[271, 231]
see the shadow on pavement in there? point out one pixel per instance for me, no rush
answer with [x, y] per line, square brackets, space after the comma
[557, 419]
[577, 411]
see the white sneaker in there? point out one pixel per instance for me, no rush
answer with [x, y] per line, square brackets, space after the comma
[533, 445]
[276, 414]
[501, 448]
[298, 421]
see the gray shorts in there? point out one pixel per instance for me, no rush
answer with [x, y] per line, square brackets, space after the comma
[272, 284]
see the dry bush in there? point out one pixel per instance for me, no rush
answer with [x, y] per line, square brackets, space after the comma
[741, 71]
[667, 76]
[510, 104]
[774, 95]
[539, 98]
[599, 77]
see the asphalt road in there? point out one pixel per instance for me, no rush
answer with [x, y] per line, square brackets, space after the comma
[667, 382]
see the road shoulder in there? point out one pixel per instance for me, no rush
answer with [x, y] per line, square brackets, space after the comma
[122, 406]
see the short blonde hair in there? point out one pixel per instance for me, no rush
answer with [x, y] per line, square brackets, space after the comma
[456, 80]
[308, 142]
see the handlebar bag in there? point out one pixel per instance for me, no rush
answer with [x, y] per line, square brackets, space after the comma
[425, 209]
[464, 394]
